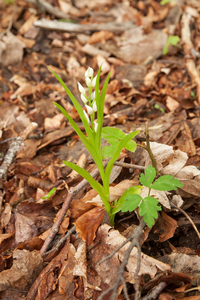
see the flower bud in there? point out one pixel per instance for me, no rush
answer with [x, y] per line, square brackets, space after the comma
[94, 80]
[89, 109]
[93, 95]
[94, 106]
[81, 89]
[88, 81]
[84, 99]
[95, 126]
[87, 118]
[89, 72]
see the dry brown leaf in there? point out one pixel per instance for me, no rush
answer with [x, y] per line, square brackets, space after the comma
[6, 215]
[53, 123]
[109, 239]
[87, 224]
[26, 265]
[170, 227]
[100, 37]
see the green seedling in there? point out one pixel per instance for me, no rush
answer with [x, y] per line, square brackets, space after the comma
[172, 40]
[49, 194]
[193, 95]
[160, 108]
[163, 2]
[148, 206]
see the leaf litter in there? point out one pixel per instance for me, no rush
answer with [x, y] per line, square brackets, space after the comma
[143, 83]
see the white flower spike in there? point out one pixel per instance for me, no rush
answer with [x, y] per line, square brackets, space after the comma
[89, 109]
[88, 120]
[84, 99]
[89, 72]
[94, 106]
[81, 89]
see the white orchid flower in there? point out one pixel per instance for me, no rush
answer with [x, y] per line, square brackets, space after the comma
[84, 99]
[93, 95]
[94, 106]
[94, 80]
[90, 110]
[88, 119]
[95, 126]
[81, 89]
[88, 81]
[89, 72]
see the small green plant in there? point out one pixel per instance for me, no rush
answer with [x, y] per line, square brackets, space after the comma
[49, 194]
[160, 108]
[172, 40]
[148, 206]
[117, 140]
[94, 105]
[163, 2]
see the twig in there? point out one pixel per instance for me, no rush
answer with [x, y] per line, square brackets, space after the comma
[43, 5]
[61, 240]
[72, 192]
[187, 216]
[135, 242]
[148, 148]
[155, 292]
[128, 166]
[15, 146]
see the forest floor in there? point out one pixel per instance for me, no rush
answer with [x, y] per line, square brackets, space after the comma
[147, 86]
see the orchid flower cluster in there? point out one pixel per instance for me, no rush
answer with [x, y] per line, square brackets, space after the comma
[91, 107]
[94, 104]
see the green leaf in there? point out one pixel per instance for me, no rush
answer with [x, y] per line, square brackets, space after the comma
[131, 146]
[163, 2]
[131, 203]
[147, 178]
[130, 191]
[115, 156]
[85, 174]
[148, 208]
[166, 183]
[112, 134]
[49, 194]
[107, 151]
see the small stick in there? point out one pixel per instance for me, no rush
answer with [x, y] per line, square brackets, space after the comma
[128, 166]
[188, 217]
[61, 240]
[155, 292]
[148, 148]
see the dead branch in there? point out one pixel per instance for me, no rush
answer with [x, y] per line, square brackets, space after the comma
[73, 229]
[134, 243]
[155, 292]
[128, 166]
[55, 25]
[72, 192]
[44, 6]
[15, 146]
